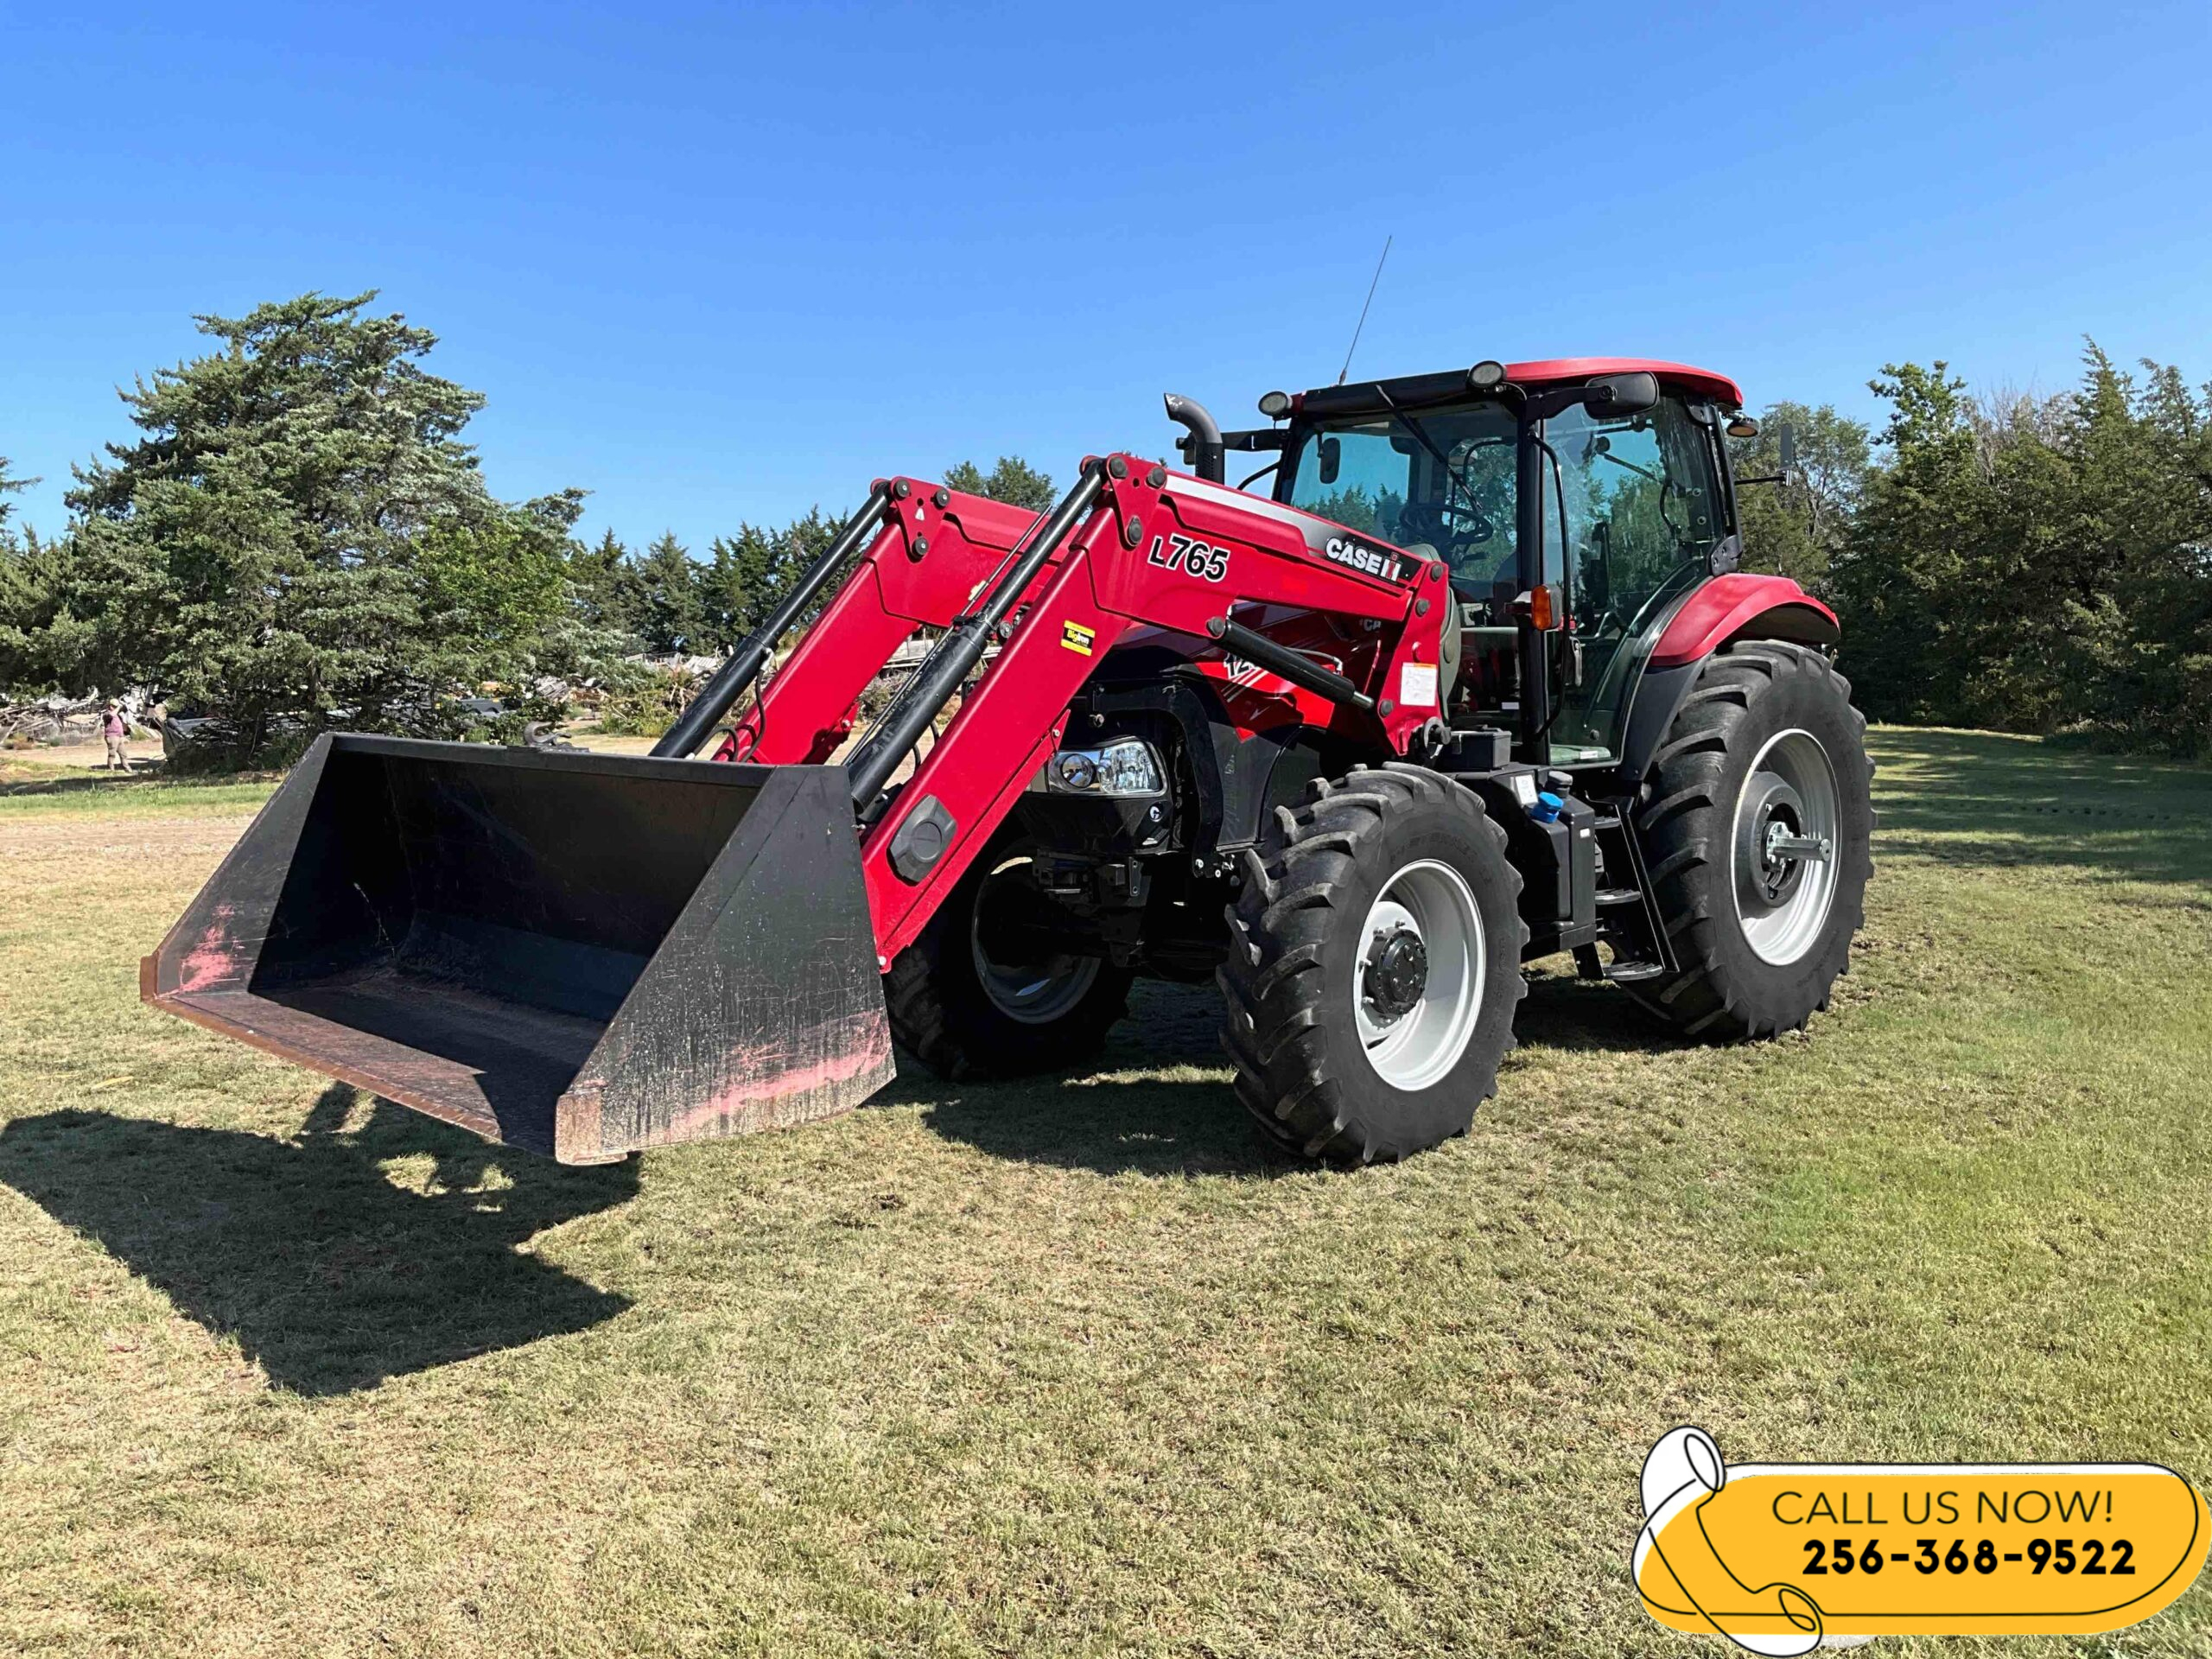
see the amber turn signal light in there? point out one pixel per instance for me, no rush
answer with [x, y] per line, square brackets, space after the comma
[1538, 605]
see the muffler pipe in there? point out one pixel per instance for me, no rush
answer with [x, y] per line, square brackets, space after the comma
[745, 663]
[956, 655]
[1203, 448]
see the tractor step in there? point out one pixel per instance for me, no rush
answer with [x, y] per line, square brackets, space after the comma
[1620, 896]
[1630, 973]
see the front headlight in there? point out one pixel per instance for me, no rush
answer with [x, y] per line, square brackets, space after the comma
[1127, 766]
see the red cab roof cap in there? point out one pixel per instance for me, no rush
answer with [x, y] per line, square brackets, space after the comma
[1718, 387]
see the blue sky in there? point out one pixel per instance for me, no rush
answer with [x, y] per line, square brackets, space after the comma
[722, 263]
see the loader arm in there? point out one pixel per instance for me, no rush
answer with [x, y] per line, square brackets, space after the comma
[1142, 547]
[934, 549]
[585, 954]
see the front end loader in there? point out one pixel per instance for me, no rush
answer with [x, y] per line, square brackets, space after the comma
[1475, 681]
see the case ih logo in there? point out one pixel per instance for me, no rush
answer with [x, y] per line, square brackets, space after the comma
[1373, 560]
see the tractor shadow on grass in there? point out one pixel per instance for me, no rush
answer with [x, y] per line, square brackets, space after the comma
[1110, 1126]
[1140, 1108]
[329, 1276]
[1587, 1016]
[1137, 1108]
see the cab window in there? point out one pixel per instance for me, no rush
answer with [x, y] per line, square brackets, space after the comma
[1441, 479]
[1643, 510]
[1641, 506]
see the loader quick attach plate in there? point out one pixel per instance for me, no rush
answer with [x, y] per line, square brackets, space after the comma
[575, 954]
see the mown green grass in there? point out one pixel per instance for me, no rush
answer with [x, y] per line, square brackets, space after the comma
[30, 792]
[1075, 1366]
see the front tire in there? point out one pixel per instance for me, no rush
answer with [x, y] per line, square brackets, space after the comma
[1374, 967]
[1758, 833]
[963, 1011]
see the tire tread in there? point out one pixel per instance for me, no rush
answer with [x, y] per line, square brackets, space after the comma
[1273, 1018]
[1683, 820]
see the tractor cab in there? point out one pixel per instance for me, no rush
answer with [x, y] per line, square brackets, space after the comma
[1575, 504]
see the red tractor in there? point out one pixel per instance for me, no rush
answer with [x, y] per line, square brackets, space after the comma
[1477, 681]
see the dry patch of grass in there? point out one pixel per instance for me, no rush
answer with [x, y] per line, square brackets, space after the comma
[1075, 1365]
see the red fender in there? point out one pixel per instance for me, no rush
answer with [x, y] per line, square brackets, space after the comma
[1742, 605]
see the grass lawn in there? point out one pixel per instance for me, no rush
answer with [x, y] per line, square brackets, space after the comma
[1075, 1366]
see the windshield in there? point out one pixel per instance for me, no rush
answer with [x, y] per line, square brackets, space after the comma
[1440, 479]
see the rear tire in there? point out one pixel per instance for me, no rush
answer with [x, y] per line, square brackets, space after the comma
[1766, 749]
[1374, 967]
[964, 1015]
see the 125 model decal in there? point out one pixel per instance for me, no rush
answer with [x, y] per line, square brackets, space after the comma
[1181, 553]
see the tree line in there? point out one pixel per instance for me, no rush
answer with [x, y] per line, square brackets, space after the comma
[669, 603]
[297, 533]
[2009, 561]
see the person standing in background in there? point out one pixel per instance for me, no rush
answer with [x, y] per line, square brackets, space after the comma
[115, 731]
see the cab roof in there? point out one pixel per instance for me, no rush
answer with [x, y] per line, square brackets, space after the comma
[1412, 390]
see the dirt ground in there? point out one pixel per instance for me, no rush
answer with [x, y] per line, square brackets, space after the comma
[72, 758]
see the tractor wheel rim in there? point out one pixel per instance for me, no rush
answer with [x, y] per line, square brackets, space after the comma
[1786, 847]
[1034, 994]
[1418, 1048]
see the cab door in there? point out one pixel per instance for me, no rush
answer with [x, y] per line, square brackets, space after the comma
[1644, 507]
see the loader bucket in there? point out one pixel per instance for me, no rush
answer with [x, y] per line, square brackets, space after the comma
[576, 954]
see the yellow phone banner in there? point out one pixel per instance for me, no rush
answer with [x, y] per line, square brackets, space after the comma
[1777, 1557]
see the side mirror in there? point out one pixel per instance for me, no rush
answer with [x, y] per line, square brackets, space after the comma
[1332, 458]
[1622, 394]
[1785, 444]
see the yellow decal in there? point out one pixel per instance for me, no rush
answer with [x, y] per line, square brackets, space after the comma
[1076, 638]
[1778, 1557]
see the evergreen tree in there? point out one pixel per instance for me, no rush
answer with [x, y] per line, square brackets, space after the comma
[2111, 511]
[1012, 481]
[22, 584]
[748, 573]
[745, 575]
[10, 484]
[37, 640]
[2037, 566]
[672, 616]
[1899, 581]
[489, 587]
[604, 588]
[289, 532]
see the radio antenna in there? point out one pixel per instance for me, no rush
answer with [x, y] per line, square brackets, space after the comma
[1362, 324]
